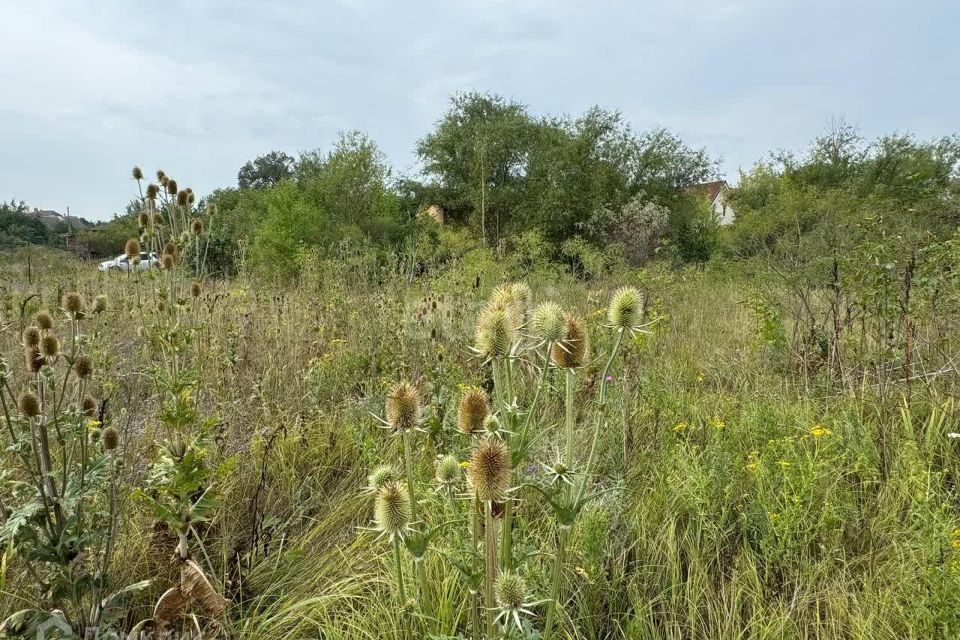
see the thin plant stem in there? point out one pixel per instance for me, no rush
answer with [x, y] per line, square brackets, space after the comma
[555, 582]
[491, 572]
[398, 565]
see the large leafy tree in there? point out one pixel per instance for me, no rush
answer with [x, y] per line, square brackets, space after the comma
[265, 171]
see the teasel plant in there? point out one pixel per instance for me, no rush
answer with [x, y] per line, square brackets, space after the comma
[179, 489]
[62, 481]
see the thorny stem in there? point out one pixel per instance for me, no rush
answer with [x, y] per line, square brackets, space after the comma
[491, 572]
[398, 564]
[570, 388]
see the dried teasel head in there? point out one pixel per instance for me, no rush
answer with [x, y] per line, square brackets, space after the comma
[197, 226]
[83, 366]
[44, 321]
[161, 175]
[29, 405]
[33, 359]
[137, 173]
[152, 191]
[495, 333]
[132, 248]
[50, 346]
[196, 289]
[393, 510]
[626, 308]
[490, 469]
[31, 336]
[472, 411]
[111, 438]
[74, 304]
[168, 262]
[157, 219]
[548, 322]
[172, 187]
[570, 352]
[100, 303]
[182, 198]
[88, 406]
[403, 407]
[143, 219]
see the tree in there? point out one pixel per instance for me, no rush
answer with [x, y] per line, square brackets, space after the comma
[265, 171]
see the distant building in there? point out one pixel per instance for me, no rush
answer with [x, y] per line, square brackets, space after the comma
[716, 193]
[52, 219]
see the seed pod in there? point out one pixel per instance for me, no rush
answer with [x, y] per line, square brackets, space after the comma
[495, 333]
[88, 406]
[44, 321]
[392, 509]
[111, 438]
[473, 410]
[137, 173]
[50, 346]
[31, 336]
[548, 322]
[626, 308]
[73, 303]
[490, 469]
[570, 352]
[403, 407]
[84, 367]
[29, 405]
[380, 476]
[133, 248]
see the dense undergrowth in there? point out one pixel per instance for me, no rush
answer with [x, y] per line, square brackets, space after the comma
[749, 485]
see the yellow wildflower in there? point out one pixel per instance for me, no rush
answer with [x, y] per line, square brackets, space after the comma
[680, 427]
[464, 464]
[717, 423]
[93, 424]
[784, 464]
[819, 431]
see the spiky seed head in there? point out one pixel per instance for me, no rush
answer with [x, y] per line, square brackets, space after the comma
[626, 308]
[135, 260]
[161, 174]
[505, 297]
[157, 219]
[143, 219]
[137, 173]
[182, 197]
[197, 226]
[133, 248]
[31, 336]
[84, 367]
[165, 180]
[168, 262]
[570, 352]
[33, 359]
[380, 476]
[511, 591]
[448, 471]
[522, 294]
[495, 332]
[403, 407]
[189, 189]
[473, 410]
[190, 197]
[152, 191]
[111, 438]
[73, 303]
[196, 289]
[548, 322]
[44, 321]
[100, 303]
[29, 405]
[392, 509]
[50, 346]
[490, 469]
[169, 248]
[172, 187]
[88, 406]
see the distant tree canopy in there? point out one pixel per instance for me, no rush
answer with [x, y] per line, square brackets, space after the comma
[265, 171]
[18, 228]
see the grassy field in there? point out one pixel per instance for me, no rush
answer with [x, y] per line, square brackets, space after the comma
[737, 491]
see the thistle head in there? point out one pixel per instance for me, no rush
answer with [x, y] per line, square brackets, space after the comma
[570, 352]
[197, 226]
[490, 469]
[403, 407]
[381, 476]
[626, 308]
[133, 248]
[196, 289]
[100, 304]
[73, 304]
[182, 197]
[143, 219]
[172, 187]
[137, 173]
[392, 510]
[84, 367]
[29, 405]
[473, 410]
[111, 438]
[167, 262]
[495, 332]
[44, 321]
[512, 300]
[512, 596]
[31, 336]
[448, 472]
[50, 346]
[157, 219]
[88, 406]
[161, 175]
[548, 322]
[33, 359]
[152, 191]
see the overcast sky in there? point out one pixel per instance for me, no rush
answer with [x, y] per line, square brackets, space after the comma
[88, 89]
